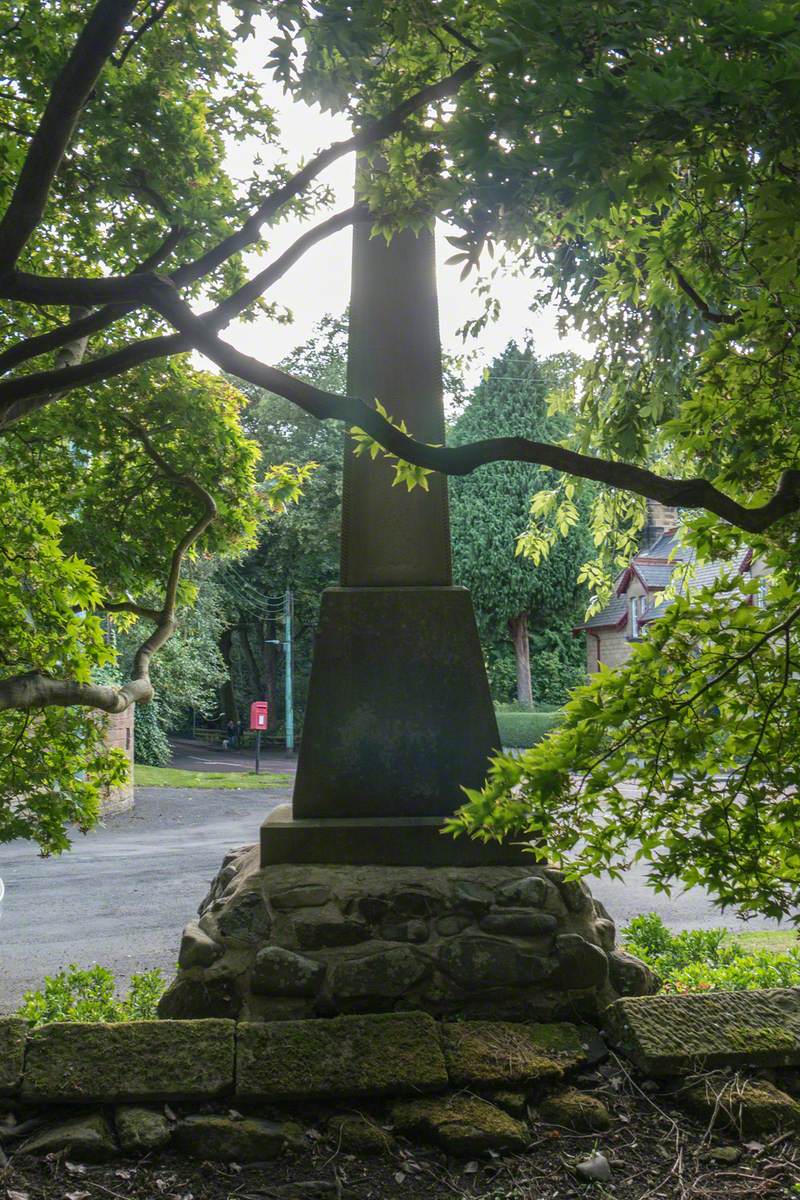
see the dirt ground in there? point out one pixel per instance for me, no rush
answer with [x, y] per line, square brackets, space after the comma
[655, 1152]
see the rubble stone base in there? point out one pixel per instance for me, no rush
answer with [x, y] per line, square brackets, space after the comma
[292, 941]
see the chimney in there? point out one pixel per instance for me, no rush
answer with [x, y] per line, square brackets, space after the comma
[660, 518]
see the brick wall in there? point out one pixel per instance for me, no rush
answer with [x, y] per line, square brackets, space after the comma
[119, 735]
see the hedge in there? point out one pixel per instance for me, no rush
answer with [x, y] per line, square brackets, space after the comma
[519, 730]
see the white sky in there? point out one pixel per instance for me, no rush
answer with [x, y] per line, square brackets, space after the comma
[320, 282]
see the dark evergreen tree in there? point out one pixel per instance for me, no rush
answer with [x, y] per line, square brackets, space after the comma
[518, 605]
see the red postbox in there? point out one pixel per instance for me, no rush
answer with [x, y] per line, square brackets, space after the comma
[259, 714]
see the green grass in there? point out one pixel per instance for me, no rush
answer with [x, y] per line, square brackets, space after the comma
[175, 778]
[775, 940]
[522, 729]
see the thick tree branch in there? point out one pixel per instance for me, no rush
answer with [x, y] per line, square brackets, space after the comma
[716, 318]
[68, 96]
[41, 289]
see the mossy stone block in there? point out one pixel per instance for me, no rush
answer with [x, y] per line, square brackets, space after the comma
[87, 1138]
[577, 1111]
[224, 1139]
[130, 1061]
[746, 1107]
[462, 1125]
[355, 1134]
[679, 1035]
[141, 1130]
[496, 1054]
[13, 1032]
[380, 1054]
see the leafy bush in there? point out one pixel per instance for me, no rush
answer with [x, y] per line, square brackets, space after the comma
[90, 995]
[523, 729]
[697, 960]
[150, 745]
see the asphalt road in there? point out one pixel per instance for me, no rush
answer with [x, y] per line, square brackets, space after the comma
[123, 893]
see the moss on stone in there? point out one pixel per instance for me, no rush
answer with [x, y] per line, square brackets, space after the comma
[747, 1106]
[141, 1130]
[13, 1032]
[490, 1054]
[225, 1139]
[381, 1054]
[576, 1110]
[760, 1037]
[140, 1060]
[462, 1125]
[358, 1135]
[87, 1138]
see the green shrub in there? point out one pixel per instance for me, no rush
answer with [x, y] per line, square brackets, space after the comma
[524, 729]
[90, 995]
[697, 960]
[150, 745]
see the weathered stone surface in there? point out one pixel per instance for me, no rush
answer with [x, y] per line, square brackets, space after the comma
[580, 964]
[142, 1060]
[280, 972]
[307, 895]
[462, 1125]
[244, 918]
[575, 1110]
[473, 896]
[451, 925]
[244, 1139]
[12, 1053]
[514, 1103]
[607, 936]
[519, 923]
[358, 1135]
[319, 928]
[197, 948]
[492, 1054]
[189, 997]
[523, 893]
[630, 976]
[489, 962]
[676, 1035]
[386, 975]
[87, 1138]
[415, 931]
[141, 1130]
[574, 892]
[383, 1054]
[746, 1106]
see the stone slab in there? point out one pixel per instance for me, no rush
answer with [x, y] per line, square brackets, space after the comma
[496, 1054]
[399, 713]
[132, 1061]
[676, 1035]
[347, 1057]
[12, 1053]
[380, 841]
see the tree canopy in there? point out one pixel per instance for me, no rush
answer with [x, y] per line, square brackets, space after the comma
[638, 162]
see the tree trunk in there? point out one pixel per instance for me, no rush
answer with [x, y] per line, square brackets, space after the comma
[519, 635]
[228, 694]
[252, 662]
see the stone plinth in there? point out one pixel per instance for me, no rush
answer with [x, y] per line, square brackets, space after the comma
[119, 736]
[294, 941]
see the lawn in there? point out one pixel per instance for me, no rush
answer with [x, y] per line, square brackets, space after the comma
[175, 778]
[774, 940]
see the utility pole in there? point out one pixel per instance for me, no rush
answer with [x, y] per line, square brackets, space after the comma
[288, 631]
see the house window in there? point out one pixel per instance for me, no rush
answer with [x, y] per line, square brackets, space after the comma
[761, 595]
[633, 607]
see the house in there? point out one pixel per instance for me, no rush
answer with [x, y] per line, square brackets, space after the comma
[612, 632]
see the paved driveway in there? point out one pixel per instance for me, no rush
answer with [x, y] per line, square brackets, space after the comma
[122, 895]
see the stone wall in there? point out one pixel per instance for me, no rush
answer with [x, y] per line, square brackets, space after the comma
[119, 736]
[285, 941]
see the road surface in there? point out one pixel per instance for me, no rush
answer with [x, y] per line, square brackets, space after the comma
[122, 895]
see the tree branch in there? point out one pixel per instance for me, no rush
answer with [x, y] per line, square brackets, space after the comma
[68, 96]
[715, 318]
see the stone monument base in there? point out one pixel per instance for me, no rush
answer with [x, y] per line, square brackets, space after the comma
[287, 941]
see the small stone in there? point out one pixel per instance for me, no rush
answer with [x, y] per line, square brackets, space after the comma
[13, 1032]
[724, 1154]
[141, 1130]
[747, 1106]
[280, 972]
[629, 976]
[385, 975]
[87, 1138]
[474, 897]
[308, 895]
[606, 934]
[405, 931]
[462, 1125]
[492, 1054]
[580, 964]
[243, 919]
[451, 925]
[197, 948]
[358, 1135]
[223, 1139]
[485, 962]
[576, 1110]
[188, 998]
[514, 1103]
[323, 928]
[519, 923]
[524, 893]
[596, 1167]
[575, 893]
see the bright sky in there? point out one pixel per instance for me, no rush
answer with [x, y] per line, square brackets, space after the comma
[320, 282]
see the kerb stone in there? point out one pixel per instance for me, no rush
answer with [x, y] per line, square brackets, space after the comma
[136, 1061]
[677, 1035]
[347, 1057]
[492, 1054]
[12, 1053]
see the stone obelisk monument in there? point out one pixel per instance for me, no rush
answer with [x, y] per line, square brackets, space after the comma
[399, 714]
